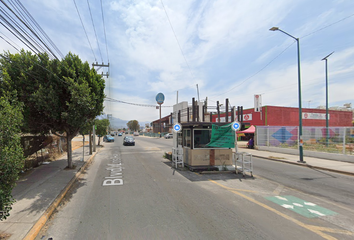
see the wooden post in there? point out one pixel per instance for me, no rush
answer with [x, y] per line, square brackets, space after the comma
[218, 109]
[227, 110]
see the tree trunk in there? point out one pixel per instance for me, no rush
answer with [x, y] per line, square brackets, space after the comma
[69, 151]
[99, 138]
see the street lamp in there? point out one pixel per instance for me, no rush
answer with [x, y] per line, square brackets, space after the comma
[327, 132]
[301, 152]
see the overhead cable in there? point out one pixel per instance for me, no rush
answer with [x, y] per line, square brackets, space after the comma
[31, 30]
[135, 104]
[104, 29]
[36, 25]
[179, 45]
[85, 31]
[94, 29]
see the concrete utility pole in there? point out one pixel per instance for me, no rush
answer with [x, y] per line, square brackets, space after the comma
[90, 143]
[94, 138]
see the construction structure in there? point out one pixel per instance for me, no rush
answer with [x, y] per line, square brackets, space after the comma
[194, 137]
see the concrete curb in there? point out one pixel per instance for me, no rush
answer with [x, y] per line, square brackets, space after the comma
[32, 234]
[306, 165]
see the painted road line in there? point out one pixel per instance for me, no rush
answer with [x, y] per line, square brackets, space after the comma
[315, 229]
[302, 207]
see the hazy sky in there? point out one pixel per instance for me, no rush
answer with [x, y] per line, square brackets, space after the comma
[224, 46]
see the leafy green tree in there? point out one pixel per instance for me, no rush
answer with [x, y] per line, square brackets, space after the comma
[59, 96]
[101, 125]
[133, 125]
[11, 152]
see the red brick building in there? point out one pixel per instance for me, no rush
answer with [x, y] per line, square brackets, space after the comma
[288, 116]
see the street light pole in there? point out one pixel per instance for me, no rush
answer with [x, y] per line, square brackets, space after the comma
[301, 151]
[327, 124]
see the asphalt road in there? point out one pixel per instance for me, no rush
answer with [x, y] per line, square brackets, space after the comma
[151, 200]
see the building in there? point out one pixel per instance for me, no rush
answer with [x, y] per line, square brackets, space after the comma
[163, 126]
[289, 116]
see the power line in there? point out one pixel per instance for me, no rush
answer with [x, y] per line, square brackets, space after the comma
[134, 104]
[9, 40]
[179, 45]
[94, 29]
[260, 70]
[8, 25]
[31, 30]
[23, 30]
[104, 29]
[38, 27]
[85, 31]
[328, 25]
[9, 43]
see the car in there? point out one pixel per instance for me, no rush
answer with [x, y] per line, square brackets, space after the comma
[136, 134]
[108, 138]
[129, 140]
[112, 134]
[168, 135]
[120, 134]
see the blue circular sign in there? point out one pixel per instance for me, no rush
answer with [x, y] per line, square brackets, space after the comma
[177, 127]
[160, 98]
[235, 126]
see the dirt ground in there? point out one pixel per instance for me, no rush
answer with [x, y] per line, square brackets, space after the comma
[77, 144]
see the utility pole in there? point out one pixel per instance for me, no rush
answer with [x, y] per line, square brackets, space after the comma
[100, 66]
[94, 138]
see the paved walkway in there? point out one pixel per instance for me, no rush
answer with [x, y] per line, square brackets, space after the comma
[331, 165]
[39, 191]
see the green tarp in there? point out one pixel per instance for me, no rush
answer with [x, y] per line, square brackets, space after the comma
[222, 137]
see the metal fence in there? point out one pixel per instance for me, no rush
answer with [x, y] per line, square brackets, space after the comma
[151, 134]
[340, 139]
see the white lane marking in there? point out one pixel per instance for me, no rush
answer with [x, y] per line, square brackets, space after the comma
[288, 206]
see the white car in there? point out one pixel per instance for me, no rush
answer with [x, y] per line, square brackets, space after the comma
[168, 135]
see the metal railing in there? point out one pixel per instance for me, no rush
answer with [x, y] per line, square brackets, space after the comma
[340, 139]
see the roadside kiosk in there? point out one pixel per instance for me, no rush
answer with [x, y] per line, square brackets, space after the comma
[193, 144]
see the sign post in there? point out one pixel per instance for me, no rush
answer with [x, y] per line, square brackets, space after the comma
[235, 126]
[160, 98]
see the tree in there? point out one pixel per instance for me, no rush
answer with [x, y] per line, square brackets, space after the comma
[11, 152]
[133, 125]
[101, 126]
[60, 96]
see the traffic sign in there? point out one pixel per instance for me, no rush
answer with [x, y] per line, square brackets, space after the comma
[235, 126]
[160, 98]
[177, 127]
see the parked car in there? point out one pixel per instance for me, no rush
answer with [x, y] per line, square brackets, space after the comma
[136, 134]
[129, 140]
[108, 138]
[168, 135]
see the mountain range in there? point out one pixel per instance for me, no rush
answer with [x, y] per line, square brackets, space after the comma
[120, 123]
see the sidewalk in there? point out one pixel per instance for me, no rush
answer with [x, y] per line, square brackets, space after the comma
[324, 164]
[38, 192]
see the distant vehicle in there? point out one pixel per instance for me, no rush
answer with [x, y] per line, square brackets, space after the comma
[112, 134]
[136, 134]
[120, 134]
[168, 135]
[129, 140]
[108, 138]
